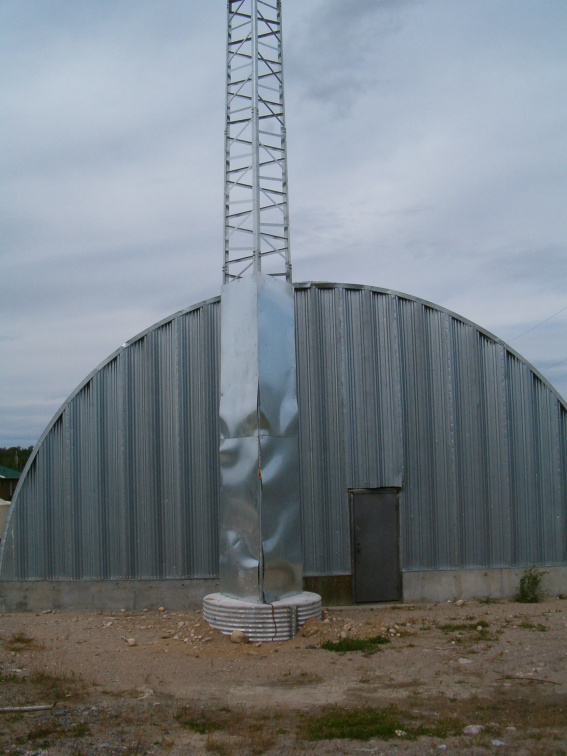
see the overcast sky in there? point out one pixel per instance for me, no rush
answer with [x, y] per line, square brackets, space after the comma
[427, 154]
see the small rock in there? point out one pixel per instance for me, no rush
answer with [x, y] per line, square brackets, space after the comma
[145, 610]
[498, 743]
[237, 636]
[131, 641]
[161, 609]
[465, 661]
[401, 733]
[344, 634]
[479, 628]
[473, 730]
[460, 602]
[442, 747]
[146, 692]
[310, 645]
[311, 627]
[511, 728]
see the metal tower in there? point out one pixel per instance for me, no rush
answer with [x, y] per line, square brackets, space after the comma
[260, 551]
[256, 208]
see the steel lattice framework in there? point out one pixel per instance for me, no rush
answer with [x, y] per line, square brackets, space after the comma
[256, 206]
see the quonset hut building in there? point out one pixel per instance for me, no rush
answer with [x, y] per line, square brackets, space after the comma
[432, 457]
[433, 463]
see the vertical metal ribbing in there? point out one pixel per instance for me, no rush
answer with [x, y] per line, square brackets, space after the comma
[256, 211]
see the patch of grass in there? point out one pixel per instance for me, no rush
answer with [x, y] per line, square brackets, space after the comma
[469, 631]
[369, 645]
[461, 627]
[304, 678]
[530, 590]
[11, 678]
[353, 724]
[58, 687]
[527, 625]
[19, 641]
[363, 724]
[40, 732]
[81, 730]
[202, 722]
[214, 745]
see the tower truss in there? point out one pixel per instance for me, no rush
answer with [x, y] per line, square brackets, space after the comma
[256, 203]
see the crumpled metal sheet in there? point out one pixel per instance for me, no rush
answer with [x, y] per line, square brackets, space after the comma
[260, 555]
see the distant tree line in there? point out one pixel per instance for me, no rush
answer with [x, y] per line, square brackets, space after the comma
[15, 457]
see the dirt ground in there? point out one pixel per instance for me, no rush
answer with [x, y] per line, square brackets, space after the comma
[164, 682]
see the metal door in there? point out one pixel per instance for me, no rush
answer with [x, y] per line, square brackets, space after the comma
[375, 546]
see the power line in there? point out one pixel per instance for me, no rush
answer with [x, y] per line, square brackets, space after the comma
[555, 314]
[555, 364]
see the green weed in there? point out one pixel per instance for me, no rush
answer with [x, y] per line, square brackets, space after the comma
[363, 724]
[201, 722]
[19, 641]
[463, 627]
[530, 626]
[81, 730]
[369, 645]
[530, 590]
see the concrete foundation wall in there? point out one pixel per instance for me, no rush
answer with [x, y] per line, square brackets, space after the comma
[177, 595]
[107, 595]
[445, 585]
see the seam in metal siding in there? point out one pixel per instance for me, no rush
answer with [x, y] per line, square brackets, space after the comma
[393, 391]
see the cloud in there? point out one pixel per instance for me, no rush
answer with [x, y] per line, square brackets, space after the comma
[426, 154]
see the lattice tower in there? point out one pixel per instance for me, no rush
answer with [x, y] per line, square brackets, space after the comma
[256, 202]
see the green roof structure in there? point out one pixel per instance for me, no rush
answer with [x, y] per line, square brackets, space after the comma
[8, 473]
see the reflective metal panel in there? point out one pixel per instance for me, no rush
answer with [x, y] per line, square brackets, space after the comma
[260, 545]
[276, 358]
[281, 518]
[239, 359]
[240, 499]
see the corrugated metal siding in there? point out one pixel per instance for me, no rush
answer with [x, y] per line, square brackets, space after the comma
[319, 328]
[124, 484]
[393, 392]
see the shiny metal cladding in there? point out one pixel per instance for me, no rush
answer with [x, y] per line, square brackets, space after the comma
[260, 557]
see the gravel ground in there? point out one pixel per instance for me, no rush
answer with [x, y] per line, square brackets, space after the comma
[474, 678]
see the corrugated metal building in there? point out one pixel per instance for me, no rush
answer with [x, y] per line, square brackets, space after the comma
[423, 438]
